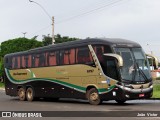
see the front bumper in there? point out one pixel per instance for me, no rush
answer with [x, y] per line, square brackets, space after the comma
[142, 90]
[125, 93]
[128, 93]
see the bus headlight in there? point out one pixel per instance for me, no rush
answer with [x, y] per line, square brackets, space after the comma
[151, 86]
[127, 89]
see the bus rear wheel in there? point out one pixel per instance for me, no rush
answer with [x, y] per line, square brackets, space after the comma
[22, 94]
[93, 97]
[30, 94]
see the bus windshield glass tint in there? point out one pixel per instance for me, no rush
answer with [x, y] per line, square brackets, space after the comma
[136, 67]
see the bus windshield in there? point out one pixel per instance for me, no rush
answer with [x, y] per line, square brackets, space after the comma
[136, 67]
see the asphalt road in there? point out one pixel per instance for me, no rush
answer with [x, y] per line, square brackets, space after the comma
[8, 103]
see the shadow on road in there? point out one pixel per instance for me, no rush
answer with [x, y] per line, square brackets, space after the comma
[76, 101]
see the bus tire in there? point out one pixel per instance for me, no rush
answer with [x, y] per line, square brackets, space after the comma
[93, 97]
[22, 94]
[120, 101]
[30, 94]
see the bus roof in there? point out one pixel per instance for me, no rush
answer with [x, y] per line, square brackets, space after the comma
[115, 42]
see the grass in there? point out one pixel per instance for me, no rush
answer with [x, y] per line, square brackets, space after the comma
[1, 85]
[156, 91]
[157, 78]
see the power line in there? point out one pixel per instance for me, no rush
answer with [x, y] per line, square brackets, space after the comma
[77, 16]
[88, 12]
[42, 29]
[83, 9]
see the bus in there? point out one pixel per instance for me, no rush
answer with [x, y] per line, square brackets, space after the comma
[153, 61]
[93, 69]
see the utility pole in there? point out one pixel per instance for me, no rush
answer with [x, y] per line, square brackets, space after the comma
[53, 40]
[51, 18]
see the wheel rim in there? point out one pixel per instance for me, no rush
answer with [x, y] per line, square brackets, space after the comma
[21, 94]
[29, 94]
[94, 96]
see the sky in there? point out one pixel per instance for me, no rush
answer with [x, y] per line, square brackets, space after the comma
[136, 20]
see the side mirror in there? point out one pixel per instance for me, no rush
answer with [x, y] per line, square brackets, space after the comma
[154, 58]
[117, 57]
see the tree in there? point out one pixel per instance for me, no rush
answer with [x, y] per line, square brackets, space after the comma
[47, 40]
[18, 44]
[60, 39]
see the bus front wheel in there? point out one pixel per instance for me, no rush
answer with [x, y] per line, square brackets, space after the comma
[93, 97]
[22, 94]
[30, 94]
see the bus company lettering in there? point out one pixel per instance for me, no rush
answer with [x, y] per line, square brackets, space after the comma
[17, 73]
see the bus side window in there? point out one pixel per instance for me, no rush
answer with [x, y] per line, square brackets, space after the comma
[99, 52]
[51, 58]
[46, 58]
[58, 57]
[109, 68]
[18, 62]
[41, 60]
[61, 60]
[83, 55]
[8, 63]
[29, 61]
[33, 60]
[23, 62]
[26, 61]
[36, 60]
[72, 56]
[14, 63]
[66, 57]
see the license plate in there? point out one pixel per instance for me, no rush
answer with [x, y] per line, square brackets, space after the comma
[141, 95]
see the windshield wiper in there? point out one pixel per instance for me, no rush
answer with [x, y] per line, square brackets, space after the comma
[134, 72]
[142, 73]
